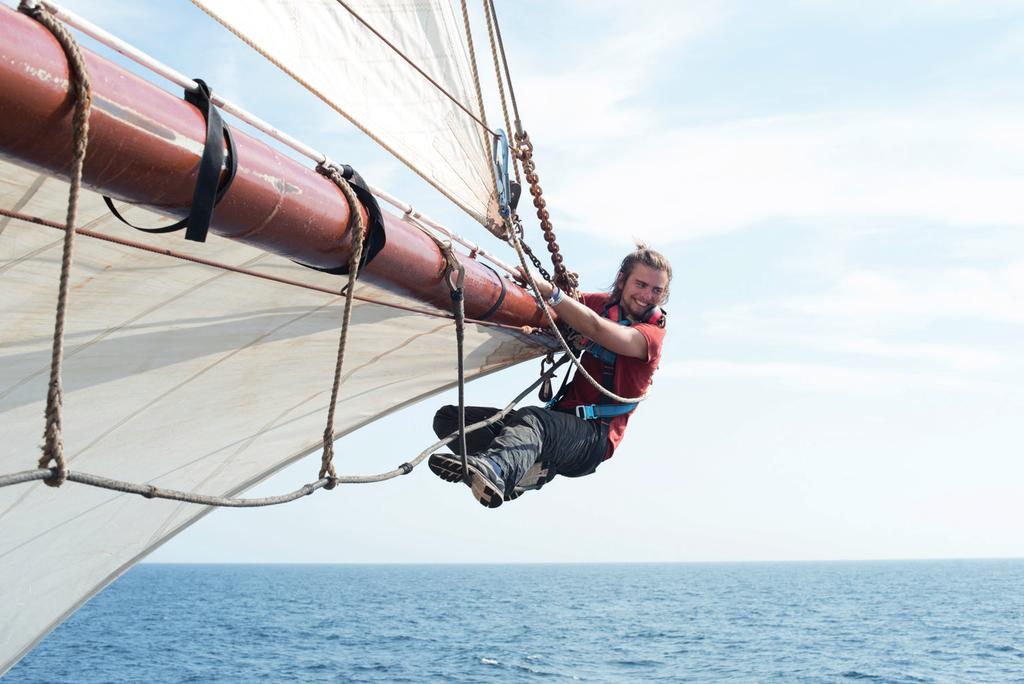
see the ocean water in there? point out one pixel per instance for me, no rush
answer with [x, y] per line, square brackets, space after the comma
[918, 621]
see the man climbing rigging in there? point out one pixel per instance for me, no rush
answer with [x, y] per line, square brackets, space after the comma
[581, 427]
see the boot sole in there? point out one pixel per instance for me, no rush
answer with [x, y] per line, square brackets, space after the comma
[446, 467]
[449, 468]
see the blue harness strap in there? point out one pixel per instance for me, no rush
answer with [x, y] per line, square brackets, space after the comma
[598, 411]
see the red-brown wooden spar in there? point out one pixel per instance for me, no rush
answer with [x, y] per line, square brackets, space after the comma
[144, 148]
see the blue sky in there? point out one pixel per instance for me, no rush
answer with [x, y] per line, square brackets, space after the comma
[838, 185]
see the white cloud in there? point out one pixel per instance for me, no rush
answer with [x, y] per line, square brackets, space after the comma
[764, 328]
[1009, 47]
[610, 159]
[868, 315]
[816, 335]
[819, 377]
[957, 357]
[995, 295]
[890, 12]
[941, 166]
[589, 98]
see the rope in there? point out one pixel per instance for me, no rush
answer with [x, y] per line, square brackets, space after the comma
[558, 334]
[357, 229]
[479, 93]
[79, 87]
[489, 4]
[492, 21]
[152, 492]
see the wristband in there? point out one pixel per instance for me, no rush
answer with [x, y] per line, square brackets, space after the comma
[556, 297]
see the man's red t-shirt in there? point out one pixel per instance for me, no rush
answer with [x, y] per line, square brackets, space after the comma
[632, 375]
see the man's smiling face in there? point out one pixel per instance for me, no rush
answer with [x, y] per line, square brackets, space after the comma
[643, 288]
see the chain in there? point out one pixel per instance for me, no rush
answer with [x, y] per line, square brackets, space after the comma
[565, 279]
[517, 225]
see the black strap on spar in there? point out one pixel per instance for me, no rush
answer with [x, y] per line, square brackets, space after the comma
[209, 189]
[375, 237]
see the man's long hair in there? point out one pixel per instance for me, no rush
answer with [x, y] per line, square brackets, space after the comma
[641, 255]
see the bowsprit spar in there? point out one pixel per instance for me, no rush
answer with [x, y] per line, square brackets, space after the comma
[190, 369]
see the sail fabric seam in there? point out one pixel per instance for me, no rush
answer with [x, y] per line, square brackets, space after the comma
[101, 334]
[479, 218]
[421, 72]
[139, 410]
[23, 200]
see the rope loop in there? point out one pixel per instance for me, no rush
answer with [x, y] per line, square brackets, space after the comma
[80, 89]
[357, 230]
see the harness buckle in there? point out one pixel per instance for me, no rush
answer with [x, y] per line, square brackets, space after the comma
[586, 412]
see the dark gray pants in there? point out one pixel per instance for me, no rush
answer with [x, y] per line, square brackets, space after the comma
[565, 444]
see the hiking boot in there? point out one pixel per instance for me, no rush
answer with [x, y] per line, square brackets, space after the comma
[488, 487]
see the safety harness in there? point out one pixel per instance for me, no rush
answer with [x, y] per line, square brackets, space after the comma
[608, 359]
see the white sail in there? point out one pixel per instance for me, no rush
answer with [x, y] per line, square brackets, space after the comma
[322, 44]
[177, 374]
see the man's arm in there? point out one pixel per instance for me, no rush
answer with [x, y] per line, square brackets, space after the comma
[621, 339]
